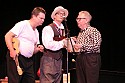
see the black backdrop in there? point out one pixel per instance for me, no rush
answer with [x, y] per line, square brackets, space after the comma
[108, 18]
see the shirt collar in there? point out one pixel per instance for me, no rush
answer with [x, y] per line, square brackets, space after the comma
[61, 26]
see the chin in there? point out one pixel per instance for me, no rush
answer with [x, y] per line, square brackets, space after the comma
[41, 24]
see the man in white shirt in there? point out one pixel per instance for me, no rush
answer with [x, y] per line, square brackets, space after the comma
[52, 39]
[26, 32]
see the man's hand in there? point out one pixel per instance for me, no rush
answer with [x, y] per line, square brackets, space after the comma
[77, 47]
[13, 54]
[74, 38]
[68, 44]
[41, 48]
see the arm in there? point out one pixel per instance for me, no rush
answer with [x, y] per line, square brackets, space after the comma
[8, 39]
[38, 48]
[47, 39]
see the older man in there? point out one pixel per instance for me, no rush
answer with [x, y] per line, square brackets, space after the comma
[52, 39]
[88, 42]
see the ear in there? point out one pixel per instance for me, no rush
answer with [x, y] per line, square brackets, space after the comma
[86, 20]
[34, 16]
[54, 16]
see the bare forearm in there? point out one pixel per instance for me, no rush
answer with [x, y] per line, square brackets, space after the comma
[8, 40]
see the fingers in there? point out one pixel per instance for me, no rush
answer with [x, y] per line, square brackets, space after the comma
[41, 48]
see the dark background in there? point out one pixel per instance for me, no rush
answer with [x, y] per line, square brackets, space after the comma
[108, 18]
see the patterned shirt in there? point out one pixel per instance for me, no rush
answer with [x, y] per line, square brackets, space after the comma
[90, 38]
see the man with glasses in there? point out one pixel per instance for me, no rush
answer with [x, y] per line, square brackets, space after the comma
[52, 39]
[88, 42]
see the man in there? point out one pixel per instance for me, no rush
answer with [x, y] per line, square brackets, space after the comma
[88, 43]
[26, 32]
[52, 39]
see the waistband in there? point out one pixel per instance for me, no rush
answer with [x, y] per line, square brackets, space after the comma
[87, 53]
[25, 56]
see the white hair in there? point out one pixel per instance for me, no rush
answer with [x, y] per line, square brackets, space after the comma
[87, 14]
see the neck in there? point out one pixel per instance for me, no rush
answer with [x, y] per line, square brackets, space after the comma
[32, 24]
[85, 26]
[59, 23]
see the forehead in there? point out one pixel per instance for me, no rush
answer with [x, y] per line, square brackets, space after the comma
[60, 11]
[81, 15]
[41, 14]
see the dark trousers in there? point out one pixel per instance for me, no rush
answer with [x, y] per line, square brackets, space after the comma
[50, 70]
[12, 73]
[26, 64]
[87, 67]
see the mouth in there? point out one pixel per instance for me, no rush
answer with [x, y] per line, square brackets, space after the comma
[61, 18]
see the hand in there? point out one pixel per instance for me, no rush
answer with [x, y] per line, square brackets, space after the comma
[41, 48]
[74, 38]
[77, 47]
[65, 42]
[68, 44]
[13, 54]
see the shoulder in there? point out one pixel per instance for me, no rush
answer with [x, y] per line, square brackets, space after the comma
[47, 28]
[93, 29]
[23, 22]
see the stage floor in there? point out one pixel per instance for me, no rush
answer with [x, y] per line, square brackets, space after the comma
[105, 77]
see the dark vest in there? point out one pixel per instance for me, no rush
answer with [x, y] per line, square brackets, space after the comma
[57, 37]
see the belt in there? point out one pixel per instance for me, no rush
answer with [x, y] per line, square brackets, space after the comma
[87, 53]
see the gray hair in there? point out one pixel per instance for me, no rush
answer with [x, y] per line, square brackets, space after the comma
[87, 14]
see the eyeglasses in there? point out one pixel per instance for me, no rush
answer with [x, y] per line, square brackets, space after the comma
[62, 14]
[79, 19]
